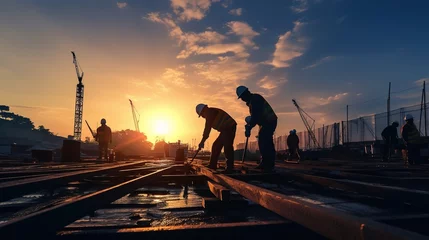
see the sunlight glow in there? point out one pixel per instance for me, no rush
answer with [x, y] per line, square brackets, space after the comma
[161, 127]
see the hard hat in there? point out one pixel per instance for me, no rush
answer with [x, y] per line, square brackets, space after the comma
[408, 117]
[294, 131]
[247, 119]
[291, 131]
[200, 108]
[241, 90]
[395, 123]
[103, 121]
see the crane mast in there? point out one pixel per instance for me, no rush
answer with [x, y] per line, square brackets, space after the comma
[78, 112]
[136, 116]
[304, 117]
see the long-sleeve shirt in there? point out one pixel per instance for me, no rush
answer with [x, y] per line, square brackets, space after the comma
[390, 133]
[292, 140]
[410, 134]
[260, 110]
[217, 119]
[104, 134]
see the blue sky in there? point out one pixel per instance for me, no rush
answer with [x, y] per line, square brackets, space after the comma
[324, 53]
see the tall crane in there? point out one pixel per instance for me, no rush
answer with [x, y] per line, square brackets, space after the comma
[309, 127]
[136, 116]
[78, 111]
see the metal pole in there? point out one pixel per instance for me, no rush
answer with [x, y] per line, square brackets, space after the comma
[388, 106]
[424, 95]
[347, 126]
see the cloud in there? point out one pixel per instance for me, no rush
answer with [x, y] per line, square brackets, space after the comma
[121, 5]
[225, 3]
[420, 81]
[244, 30]
[269, 84]
[41, 108]
[226, 70]
[328, 100]
[299, 6]
[358, 94]
[289, 46]
[176, 76]
[236, 12]
[323, 60]
[207, 42]
[188, 10]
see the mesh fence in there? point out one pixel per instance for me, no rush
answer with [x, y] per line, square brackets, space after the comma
[362, 129]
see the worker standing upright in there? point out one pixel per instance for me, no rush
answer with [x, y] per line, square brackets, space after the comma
[263, 115]
[411, 137]
[104, 137]
[293, 145]
[221, 121]
[390, 137]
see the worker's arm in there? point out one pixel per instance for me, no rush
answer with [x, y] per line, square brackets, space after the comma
[110, 135]
[256, 110]
[383, 134]
[96, 135]
[207, 128]
[405, 133]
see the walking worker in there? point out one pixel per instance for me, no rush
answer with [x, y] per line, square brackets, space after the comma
[293, 145]
[103, 137]
[411, 137]
[390, 137]
[263, 115]
[221, 121]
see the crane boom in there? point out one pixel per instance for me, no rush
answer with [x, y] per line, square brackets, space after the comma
[304, 116]
[79, 100]
[136, 116]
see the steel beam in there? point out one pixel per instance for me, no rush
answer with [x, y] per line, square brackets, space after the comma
[12, 189]
[330, 223]
[48, 221]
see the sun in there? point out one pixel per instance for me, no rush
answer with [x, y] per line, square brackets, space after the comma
[161, 127]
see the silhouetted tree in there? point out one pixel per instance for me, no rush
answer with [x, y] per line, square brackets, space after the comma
[131, 142]
[44, 130]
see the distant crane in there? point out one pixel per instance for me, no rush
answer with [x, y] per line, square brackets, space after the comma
[304, 117]
[136, 116]
[78, 112]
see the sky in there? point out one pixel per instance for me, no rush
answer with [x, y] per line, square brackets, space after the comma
[170, 55]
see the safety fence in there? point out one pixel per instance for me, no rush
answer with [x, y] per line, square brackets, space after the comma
[362, 129]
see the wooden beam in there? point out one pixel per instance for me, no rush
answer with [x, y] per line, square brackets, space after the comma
[330, 223]
[221, 192]
[12, 189]
[240, 230]
[48, 221]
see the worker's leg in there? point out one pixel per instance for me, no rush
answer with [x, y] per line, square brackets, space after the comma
[266, 145]
[413, 153]
[106, 152]
[100, 151]
[228, 143]
[216, 149]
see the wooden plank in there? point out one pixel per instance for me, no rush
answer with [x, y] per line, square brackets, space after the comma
[330, 223]
[238, 230]
[57, 217]
[11, 189]
[221, 192]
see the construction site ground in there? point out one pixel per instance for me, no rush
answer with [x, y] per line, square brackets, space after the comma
[323, 199]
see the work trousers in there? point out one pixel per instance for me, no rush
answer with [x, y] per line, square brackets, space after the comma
[387, 150]
[413, 153]
[225, 140]
[103, 150]
[266, 144]
[293, 153]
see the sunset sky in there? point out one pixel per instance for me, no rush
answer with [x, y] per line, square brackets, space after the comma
[168, 56]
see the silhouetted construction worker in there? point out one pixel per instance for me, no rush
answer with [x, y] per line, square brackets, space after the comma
[104, 137]
[390, 137]
[263, 115]
[293, 145]
[221, 121]
[411, 137]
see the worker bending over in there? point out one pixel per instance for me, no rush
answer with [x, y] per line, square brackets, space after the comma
[293, 145]
[221, 121]
[411, 137]
[263, 115]
[103, 137]
[390, 137]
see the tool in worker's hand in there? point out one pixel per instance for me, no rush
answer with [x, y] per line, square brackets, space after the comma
[245, 150]
[195, 155]
[90, 129]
